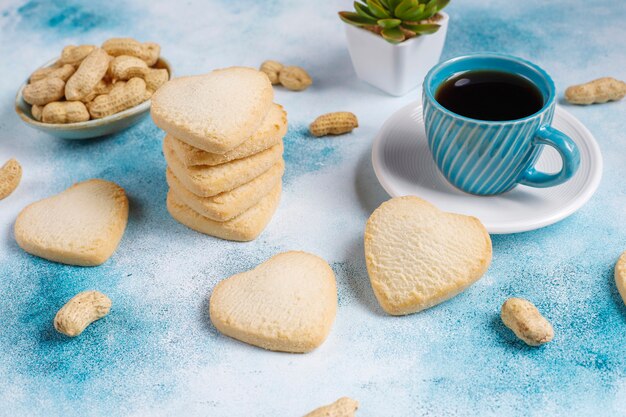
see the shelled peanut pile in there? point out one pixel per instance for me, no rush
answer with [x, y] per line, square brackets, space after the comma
[90, 82]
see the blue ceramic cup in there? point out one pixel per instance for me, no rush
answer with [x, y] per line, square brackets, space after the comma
[492, 157]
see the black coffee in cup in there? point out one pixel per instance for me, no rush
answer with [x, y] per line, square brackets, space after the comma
[490, 95]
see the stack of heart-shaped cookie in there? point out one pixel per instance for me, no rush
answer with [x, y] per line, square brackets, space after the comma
[223, 150]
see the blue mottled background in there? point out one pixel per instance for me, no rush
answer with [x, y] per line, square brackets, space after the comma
[157, 353]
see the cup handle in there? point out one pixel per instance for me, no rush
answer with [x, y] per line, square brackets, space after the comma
[570, 156]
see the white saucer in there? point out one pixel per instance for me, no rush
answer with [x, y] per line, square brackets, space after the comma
[404, 166]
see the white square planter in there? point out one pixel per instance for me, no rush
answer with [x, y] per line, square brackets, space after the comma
[395, 68]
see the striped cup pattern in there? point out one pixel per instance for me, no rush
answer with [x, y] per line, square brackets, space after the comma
[483, 158]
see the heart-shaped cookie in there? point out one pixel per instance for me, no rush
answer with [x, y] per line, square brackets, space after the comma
[270, 133]
[243, 228]
[418, 256]
[229, 204]
[287, 303]
[214, 112]
[80, 226]
[208, 181]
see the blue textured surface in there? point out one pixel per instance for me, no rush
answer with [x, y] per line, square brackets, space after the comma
[157, 354]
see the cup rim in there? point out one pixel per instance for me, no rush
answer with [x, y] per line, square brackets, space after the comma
[441, 65]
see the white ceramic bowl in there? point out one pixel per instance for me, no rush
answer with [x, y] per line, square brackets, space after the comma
[91, 128]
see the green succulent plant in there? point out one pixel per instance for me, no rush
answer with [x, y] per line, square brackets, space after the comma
[396, 20]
